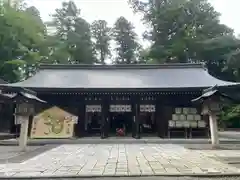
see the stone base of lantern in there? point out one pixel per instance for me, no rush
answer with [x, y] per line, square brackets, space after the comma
[23, 133]
[214, 130]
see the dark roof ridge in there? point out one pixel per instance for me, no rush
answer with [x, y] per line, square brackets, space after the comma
[123, 66]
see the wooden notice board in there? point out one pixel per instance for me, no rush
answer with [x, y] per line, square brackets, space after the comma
[53, 123]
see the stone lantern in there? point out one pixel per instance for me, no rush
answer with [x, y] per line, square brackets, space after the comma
[25, 101]
[211, 101]
[22, 113]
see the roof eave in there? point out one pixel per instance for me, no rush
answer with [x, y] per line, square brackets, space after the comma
[121, 66]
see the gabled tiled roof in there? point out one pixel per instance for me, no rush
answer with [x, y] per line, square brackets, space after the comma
[122, 76]
[13, 97]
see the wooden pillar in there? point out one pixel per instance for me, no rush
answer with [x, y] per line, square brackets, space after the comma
[168, 110]
[79, 128]
[135, 102]
[159, 117]
[30, 125]
[137, 121]
[103, 122]
[107, 118]
[133, 124]
[102, 125]
[104, 118]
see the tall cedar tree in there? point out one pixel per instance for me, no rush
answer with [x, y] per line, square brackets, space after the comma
[75, 36]
[126, 42]
[101, 34]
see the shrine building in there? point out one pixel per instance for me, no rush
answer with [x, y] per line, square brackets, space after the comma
[141, 100]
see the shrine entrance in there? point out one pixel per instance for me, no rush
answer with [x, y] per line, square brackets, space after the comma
[148, 120]
[120, 120]
[93, 119]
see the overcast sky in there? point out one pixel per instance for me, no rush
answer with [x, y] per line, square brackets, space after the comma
[110, 10]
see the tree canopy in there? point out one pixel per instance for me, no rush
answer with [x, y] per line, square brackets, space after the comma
[21, 37]
[126, 41]
[182, 31]
[178, 31]
[101, 33]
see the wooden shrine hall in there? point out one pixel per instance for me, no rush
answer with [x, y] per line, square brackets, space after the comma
[126, 100]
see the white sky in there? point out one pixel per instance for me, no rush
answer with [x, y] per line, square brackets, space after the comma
[110, 10]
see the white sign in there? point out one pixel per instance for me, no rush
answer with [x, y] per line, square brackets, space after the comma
[120, 108]
[147, 108]
[93, 108]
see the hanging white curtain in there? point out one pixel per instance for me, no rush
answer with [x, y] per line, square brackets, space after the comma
[93, 108]
[147, 108]
[120, 108]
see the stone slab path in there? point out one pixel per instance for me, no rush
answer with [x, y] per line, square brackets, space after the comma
[120, 160]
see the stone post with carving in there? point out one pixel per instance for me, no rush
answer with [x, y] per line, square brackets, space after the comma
[22, 113]
[211, 107]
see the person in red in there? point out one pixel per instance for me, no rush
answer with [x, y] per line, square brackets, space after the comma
[120, 131]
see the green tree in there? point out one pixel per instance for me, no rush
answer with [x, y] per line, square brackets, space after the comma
[38, 52]
[82, 48]
[73, 34]
[35, 14]
[101, 34]
[179, 30]
[144, 56]
[221, 56]
[21, 37]
[127, 45]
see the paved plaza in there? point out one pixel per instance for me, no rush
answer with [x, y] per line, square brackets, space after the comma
[122, 160]
[150, 178]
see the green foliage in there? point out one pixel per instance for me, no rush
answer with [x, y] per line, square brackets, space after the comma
[127, 45]
[187, 31]
[20, 39]
[231, 112]
[72, 40]
[230, 116]
[101, 34]
[12, 70]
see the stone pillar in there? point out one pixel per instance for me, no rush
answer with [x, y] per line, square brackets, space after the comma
[213, 129]
[24, 133]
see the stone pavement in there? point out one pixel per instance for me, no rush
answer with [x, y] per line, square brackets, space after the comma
[230, 135]
[121, 160]
[151, 178]
[119, 140]
[13, 153]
